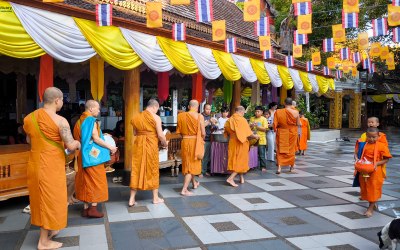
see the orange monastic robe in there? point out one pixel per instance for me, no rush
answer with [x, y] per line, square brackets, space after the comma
[371, 187]
[145, 157]
[304, 133]
[238, 153]
[46, 174]
[287, 134]
[90, 182]
[189, 126]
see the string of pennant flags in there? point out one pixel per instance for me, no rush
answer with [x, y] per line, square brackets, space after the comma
[303, 11]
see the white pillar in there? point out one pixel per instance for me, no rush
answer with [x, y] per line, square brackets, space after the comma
[141, 99]
[175, 105]
[308, 101]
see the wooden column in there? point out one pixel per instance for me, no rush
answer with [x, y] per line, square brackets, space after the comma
[235, 96]
[132, 106]
[21, 97]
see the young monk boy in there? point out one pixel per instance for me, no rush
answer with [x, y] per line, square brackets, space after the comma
[371, 187]
[305, 133]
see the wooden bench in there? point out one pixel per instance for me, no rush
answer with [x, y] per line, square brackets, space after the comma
[13, 170]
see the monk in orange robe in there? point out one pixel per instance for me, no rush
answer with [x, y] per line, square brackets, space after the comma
[238, 130]
[304, 133]
[47, 133]
[191, 127]
[371, 187]
[145, 157]
[91, 182]
[286, 122]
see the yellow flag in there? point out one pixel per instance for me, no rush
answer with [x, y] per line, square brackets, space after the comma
[251, 11]
[304, 24]
[390, 60]
[180, 2]
[330, 62]
[394, 15]
[154, 14]
[316, 58]
[265, 43]
[219, 30]
[300, 1]
[339, 34]
[384, 53]
[297, 50]
[350, 6]
[354, 71]
[391, 67]
[363, 42]
[376, 49]
[346, 67]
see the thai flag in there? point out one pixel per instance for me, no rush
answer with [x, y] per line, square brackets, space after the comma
[302, 8]
[289, 61]
[329, 45]
[327, 71]
[396, 2]
[262, 27]
[344, 53]
[230, 45]
[179, 31]
[268, 54]
[338, 74]
[349, 20]
[356, 57]
[379, 27]
[366, 63]
[396, 35]
[300, 38]
[372, 68]
[103, 14]
[204, 11]
[310, 66]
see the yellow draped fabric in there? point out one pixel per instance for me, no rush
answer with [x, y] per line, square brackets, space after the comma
[379, 98]
[331, 83]
[14, 41]
[306, 81]
[97, 77]
[323, 84]
[246, 92]
[283, 95]
[390, 96]
[287, 81]
[109, 43]
[261, 72]
[218, 93]
[227, 65]
[178, 54]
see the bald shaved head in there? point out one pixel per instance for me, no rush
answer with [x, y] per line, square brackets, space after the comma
[152, 102]
[51, 94]
[193, 103]
[374, 118]
[239, 109]
[91, 104]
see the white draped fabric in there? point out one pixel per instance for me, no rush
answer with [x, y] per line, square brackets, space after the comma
[147, 48]
[369, 99]
[314, 83]
[396, 98]
[273, 73]
[245, 68]
[205, 61]
[298, 84]
[58, 35]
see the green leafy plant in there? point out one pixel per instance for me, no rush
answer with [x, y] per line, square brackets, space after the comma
[317, 111]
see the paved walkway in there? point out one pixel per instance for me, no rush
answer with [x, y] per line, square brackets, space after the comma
[313, 208]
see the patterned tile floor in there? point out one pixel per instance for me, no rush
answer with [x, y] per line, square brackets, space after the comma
[315, 208]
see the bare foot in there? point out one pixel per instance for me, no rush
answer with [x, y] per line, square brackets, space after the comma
[263, 170]
[375, 207]
[70, 201]
[368, 213]
[186, 193]
[304, 153]
[49, 245]
[292, 169]
[201, 176]
[360, 199]
[242, 180]
[53, 233]
[279, 170]
[232, 183]
[132, 203]
[75, 200]
[207, 174]
[158, 200]
[196, 184]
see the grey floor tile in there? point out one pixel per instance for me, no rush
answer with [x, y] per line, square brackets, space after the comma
[222, 187]
[153, 244]
[181, 241]
[8, 241]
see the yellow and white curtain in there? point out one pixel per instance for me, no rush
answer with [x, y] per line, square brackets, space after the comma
[383, 97]
[27, 32]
